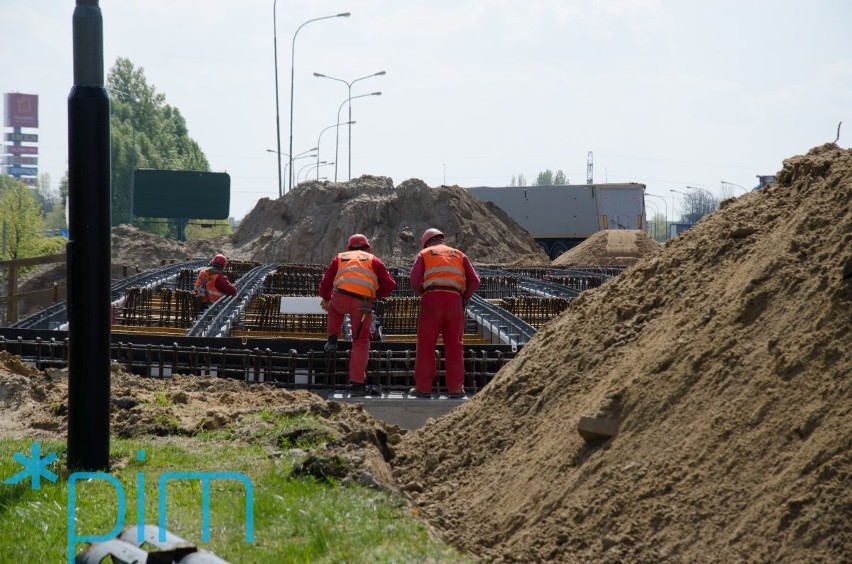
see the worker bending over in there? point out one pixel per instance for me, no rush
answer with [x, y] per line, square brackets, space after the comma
[212, 284]
[351, 283]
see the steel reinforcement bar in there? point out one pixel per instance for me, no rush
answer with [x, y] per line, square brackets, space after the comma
[390, 369]
[219, 317]
[55, 315]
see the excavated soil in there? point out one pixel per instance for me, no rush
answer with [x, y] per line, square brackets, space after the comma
[313, 222]
[33, 404]
[726, 362]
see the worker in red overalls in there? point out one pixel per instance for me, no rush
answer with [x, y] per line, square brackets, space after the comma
[212, 284]
[445, 280]
[350, 284]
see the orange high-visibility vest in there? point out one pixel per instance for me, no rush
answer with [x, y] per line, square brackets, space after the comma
[355, 274]
[443, 269]
[205, 287]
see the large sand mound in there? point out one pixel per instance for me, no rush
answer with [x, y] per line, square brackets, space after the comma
[726, 360]
[312, 223]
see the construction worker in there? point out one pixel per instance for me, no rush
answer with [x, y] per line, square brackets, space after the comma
[350, 284]
[212, 284]
[445, 280]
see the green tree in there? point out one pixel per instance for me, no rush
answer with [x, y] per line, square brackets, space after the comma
[544, 178]
[519, 180]
[20, 217]
[146, 133]
[548, 178]
[657, 228]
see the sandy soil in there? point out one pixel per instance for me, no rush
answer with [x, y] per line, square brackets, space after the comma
[610, 248]
[725, 361]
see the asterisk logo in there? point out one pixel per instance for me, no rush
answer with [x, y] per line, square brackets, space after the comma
[35, 467]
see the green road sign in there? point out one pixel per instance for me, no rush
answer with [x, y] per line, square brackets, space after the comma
[181, 194]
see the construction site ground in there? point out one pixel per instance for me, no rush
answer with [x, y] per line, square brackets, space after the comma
[721, 360]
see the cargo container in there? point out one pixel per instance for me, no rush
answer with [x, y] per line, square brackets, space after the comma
[560, 217]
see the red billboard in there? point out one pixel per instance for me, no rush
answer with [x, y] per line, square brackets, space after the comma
[21, 110]
[22, 149]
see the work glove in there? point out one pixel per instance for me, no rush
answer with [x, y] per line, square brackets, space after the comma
[324, 305]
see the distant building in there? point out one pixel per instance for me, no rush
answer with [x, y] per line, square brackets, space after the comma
[676, 229]
[763, 181]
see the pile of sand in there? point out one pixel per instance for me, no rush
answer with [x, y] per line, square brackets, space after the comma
[312, 223]
[610, 247]
[726, 361]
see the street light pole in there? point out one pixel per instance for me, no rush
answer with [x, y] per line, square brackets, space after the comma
[338, 124]
[349, 100]
[317, 167]
[298, 174]
[293, 76]
[298, 156]
[337, 133]
[666, 207]
[277, 116]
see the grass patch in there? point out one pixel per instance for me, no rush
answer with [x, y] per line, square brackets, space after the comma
[296, 519]
[281, 430]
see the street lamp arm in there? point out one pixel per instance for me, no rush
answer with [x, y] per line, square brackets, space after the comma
[666, 208]
[337, 133]
[743, 188]
[293, 78]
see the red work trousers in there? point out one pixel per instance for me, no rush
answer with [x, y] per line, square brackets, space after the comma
[340, 305]
[440, 313]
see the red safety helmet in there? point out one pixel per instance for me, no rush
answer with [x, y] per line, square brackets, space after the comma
[219, 261]
[357, 241]
[429, 234]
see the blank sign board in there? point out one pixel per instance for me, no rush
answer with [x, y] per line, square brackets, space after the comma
[181, 194]
[301, 304]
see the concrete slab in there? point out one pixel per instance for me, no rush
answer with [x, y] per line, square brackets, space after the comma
[401, 409]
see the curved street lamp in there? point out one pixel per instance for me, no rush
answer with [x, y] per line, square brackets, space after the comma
[298, 156]
[298, 174]
[338, 124]
[349, 176]
[725, 182]
[666, 207]
[349, 86]
[317, 167]
[293, 76]
[277, 117]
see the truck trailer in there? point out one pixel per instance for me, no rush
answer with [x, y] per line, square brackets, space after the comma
[560, 217]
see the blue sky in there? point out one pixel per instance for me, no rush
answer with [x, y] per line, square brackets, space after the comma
[669, 93]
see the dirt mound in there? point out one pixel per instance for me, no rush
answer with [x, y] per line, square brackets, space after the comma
[313, 221]
[726, 362]
[610, 248]
[33, 404]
